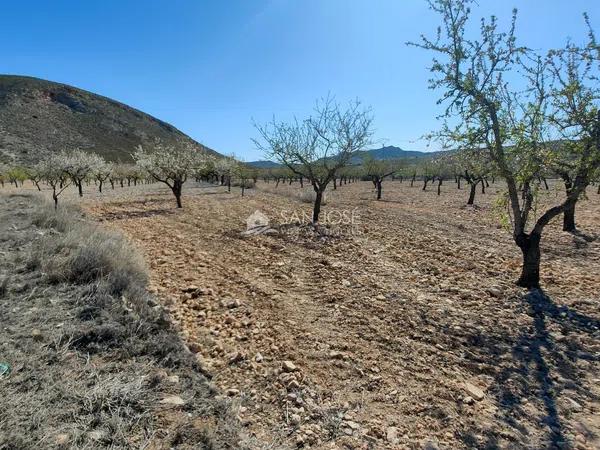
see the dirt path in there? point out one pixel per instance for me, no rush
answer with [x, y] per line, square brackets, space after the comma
[404, 332]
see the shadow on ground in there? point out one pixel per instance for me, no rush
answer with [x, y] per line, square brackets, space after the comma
[542, 378]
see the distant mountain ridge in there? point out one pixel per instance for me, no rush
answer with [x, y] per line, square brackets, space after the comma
[389, 152]
[39, 116]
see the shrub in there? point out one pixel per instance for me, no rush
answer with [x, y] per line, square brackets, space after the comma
[309, 195]
[83, 253]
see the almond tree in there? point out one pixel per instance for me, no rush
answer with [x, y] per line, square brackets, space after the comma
[52, 170]
[474, 167]
[224, 168]
[171, 164]
[244, 173]
[575, 98]
[317, 147]
[101, 173]
[503, 116]
[16, 175]
[378, 170]
[80, 166]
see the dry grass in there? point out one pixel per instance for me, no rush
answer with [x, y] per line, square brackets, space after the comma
[92, 352]
[81, 252]
[309, 196]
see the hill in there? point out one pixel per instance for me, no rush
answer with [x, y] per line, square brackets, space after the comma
[38, 116]
[384, 153]
[264, 164]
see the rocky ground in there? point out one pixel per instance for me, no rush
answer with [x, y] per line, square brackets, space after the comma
[398, 328]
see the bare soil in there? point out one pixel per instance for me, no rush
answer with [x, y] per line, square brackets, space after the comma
[400, 330]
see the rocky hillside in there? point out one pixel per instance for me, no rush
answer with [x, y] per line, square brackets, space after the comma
[38, 116]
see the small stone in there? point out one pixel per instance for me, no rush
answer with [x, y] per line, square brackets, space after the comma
[232, 392]
[496, 291]
[289, 366]
[391, 435]
[468, 400]
[293, 384]
[295, 419]
[61, 439]
[174, 400]
[336, 355]
[189, 289]
[474, 391]
[258, 358]
[173, 379]
[236, 357]
[352, 425]
[97, 435]
[572, 405]
[37, 335]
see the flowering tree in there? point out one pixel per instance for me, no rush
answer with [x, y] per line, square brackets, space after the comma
[171, 164]
[80, 166]
[52, 170]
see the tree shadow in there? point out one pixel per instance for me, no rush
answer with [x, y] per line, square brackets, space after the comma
[540, 376]
[131, 214]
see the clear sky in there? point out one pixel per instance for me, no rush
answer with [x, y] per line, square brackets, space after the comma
[210, 67]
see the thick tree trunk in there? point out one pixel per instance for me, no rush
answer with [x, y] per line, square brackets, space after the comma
[425, 182]
[530, 272]
[472, 194]
[458, 183]
[569, 218]
[317, 206]
[80, 188]
[378, 189]
[177, 187]
[483, 186]
[334, 183]
[439, 187]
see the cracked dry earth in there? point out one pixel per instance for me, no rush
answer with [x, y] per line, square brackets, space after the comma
[403, 330]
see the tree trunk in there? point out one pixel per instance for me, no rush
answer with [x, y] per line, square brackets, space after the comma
[439, 190]
[530, 272]
[55, 198]
[334, 183]
[317, 206]
[472, 194]
[80, 188]
[177, 185]
[459, 178]
[483, 186]
[425, 182]
[379, 189]
[569, 218]
[100, 183]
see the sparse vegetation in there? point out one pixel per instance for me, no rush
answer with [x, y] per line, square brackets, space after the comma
[95, 372]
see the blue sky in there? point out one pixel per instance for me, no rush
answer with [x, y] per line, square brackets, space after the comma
[210, 67]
